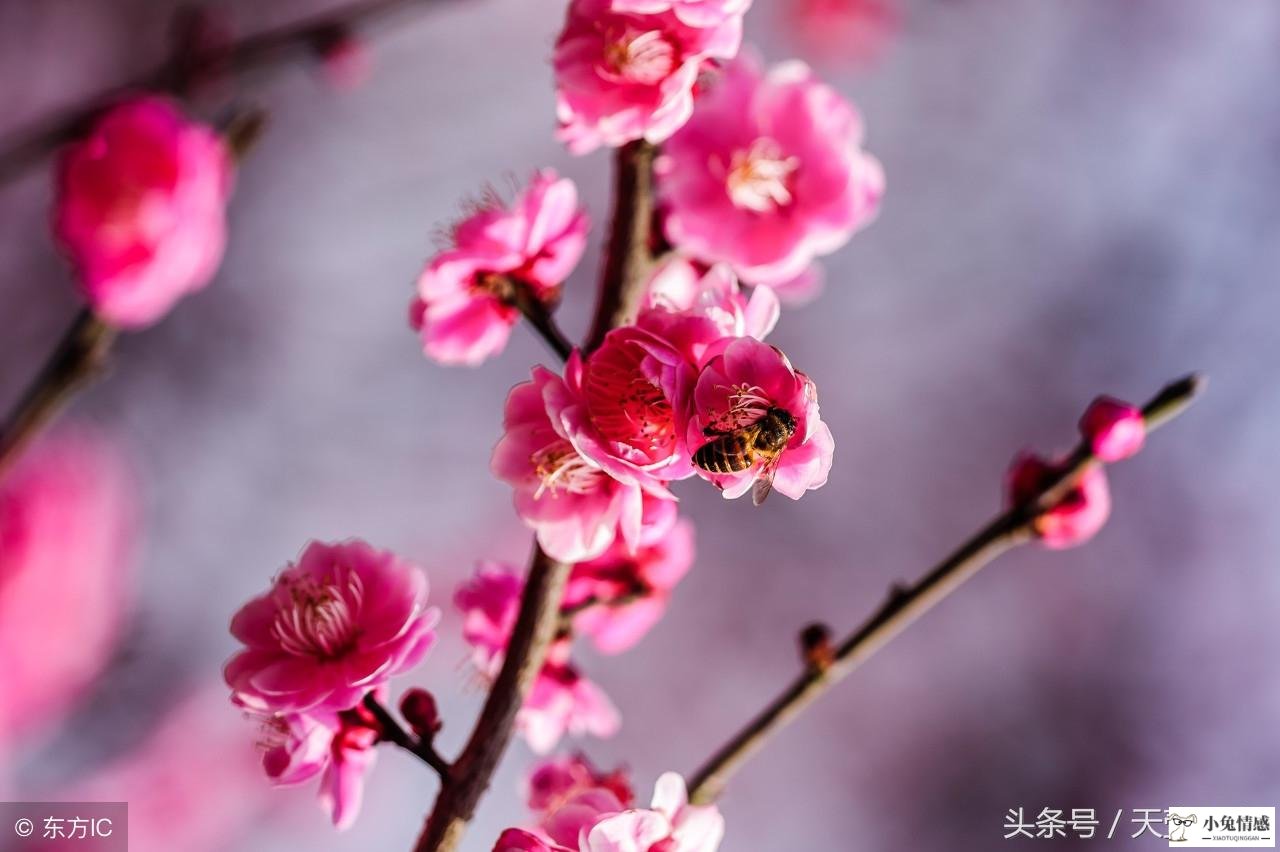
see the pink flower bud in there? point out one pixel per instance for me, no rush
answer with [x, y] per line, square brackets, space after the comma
[1114, 429]
[344, 58]
[1077, 517]
[140, 209]
[419, 709]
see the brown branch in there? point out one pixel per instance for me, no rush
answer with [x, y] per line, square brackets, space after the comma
[394, 733]
[538, 313]
[906, 603]
[629, 256]
[626, 262]
[78, 360]
[264, 51]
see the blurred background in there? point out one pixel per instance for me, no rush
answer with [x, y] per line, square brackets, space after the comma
[1081, 199]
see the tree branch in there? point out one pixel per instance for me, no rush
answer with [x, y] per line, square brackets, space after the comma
[906, 603]
[268, 50]
[395, 734]
[78, 360]
[521, 296]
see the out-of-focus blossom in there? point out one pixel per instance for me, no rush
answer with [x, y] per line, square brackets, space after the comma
[630, 590]
[340, 621]
[695, 13]
[849, 32]
[66, 541]
[1114, 429]
[562, 702]
[624, 407]
[569, 796]
[515, 840]
[345, 59]
[670, 825]
[419, 709]
[336, 745]
[625, 75]
[573, 504]
[464, 308]
[193, 784]
[738, 388]
[1079, 515]
[694, 310]
[768, 174]
[141, 209]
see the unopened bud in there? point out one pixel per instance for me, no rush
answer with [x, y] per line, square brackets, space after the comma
[419, 709]
[1114, 429]
[816, 647]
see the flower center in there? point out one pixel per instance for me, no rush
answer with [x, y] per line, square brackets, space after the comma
[320, 621]
[559, 467]
[758, 177]
[746, 404]
[644, 58]
[626, 403]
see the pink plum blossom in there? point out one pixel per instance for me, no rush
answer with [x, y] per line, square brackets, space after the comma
[739, 387]
[850, 32]
[671, 824]
[67, 524]
[695, 13]
[464, 308]
[515, 840]
[561, 700]
[639, 583]
[569, 796]
[768, 174]
[571, 501]
[1114, 429]
[336, 745]
[1078, 517]
[624, 75]
[340, 621]
[694, 308]
[141, 208]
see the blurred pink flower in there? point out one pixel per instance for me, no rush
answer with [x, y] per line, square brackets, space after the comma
[1081, 513]
[670, 825]
[739, 387]
[193, 784]
[345, 59]
[336, 745]
[66, 541]
[623, 75]
[490, 602]
[569, 795]
[694, 310]
[515, 840]
[648, 576]
[141, 209]
[850, 32]
[1114, 429]
[344, 619]
[768, 174]
[695, 13]
[562, 702]
[624, 407]
[462, 309]
[572, 503]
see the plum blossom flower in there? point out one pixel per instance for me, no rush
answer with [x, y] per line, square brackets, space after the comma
[575, 506]
[464, 308]
[340, 621]
[1114, 429]
[739, 387]
[67, 524]
[695, 13]
[624, 74]
[768, 174]
[631, 590]
[515, 840]
[561, 700]
[694, 310]
[670, 825]
[569, 796]
[336, 745]
[141, 209]
[850, 32]
[1079, 515]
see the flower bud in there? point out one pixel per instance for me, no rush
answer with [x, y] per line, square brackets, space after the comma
[1114, 429]
[1078, 515]
[419, 709]
[816, 646]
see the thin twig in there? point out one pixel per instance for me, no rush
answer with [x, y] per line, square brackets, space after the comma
[264, 51]
[521, 296]
[78, 360]
[394, 733]
[905, 604]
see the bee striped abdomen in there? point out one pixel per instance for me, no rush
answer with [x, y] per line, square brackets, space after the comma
[726, 454]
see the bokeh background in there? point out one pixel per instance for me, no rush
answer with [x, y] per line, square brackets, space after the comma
[1081, 198]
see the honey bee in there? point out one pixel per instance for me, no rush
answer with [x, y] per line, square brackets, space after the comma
[737, 450]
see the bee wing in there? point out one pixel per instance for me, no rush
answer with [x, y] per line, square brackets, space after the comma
[764, 480]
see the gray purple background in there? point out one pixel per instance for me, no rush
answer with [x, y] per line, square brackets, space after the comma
[1081, 198]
